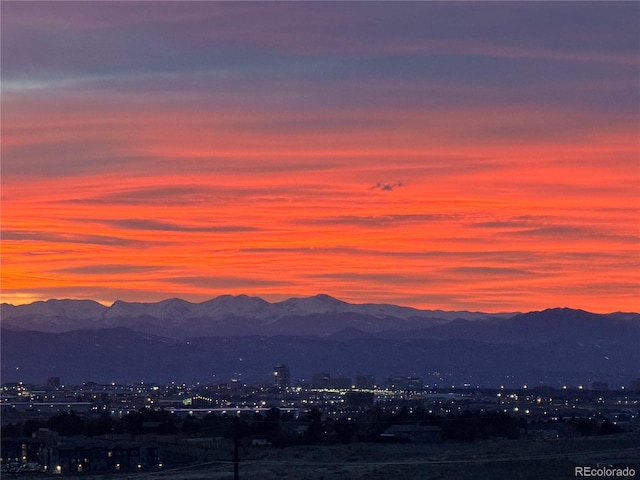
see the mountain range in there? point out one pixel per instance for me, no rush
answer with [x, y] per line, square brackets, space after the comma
[227, 315]
[243, 337]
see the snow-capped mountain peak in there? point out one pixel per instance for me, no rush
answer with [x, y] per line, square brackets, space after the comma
[226, 314]
[67, 308]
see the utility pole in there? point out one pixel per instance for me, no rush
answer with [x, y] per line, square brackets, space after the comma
[236, 457]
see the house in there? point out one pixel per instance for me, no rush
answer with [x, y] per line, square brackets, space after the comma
[88, 455]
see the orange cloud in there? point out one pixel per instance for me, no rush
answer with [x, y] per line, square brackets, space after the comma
[500, 209]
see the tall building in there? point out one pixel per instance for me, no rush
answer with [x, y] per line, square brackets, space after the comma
[281, 375]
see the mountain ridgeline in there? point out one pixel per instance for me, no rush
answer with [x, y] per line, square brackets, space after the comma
[226, 316]
[243, 337]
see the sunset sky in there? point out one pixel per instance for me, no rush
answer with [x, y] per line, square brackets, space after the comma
[478, 156]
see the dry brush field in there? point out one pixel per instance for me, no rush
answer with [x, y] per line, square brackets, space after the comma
[526, 459]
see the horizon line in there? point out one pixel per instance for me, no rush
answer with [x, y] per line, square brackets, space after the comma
[109, 304]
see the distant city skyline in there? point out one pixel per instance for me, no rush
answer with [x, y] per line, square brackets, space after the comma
[455, 156]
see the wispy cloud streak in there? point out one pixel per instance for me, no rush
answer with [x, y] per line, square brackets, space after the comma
[440, 155]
